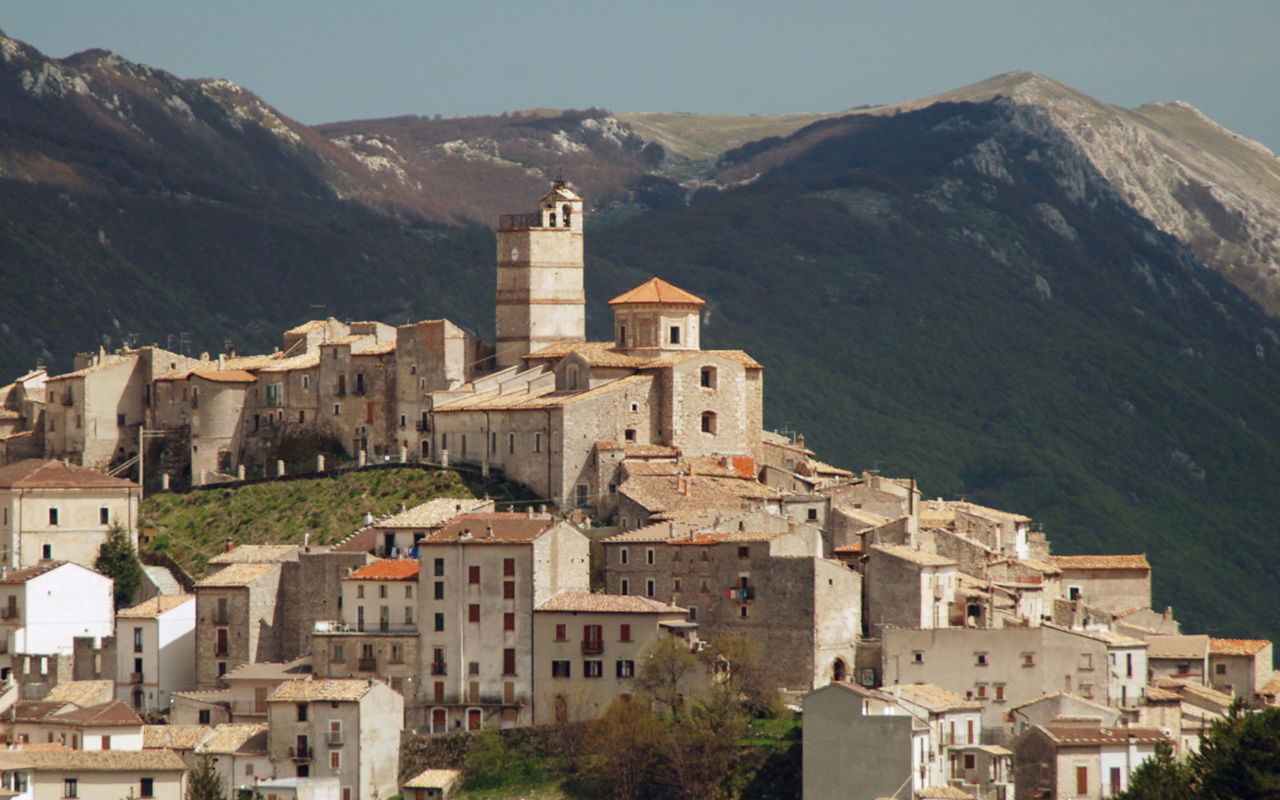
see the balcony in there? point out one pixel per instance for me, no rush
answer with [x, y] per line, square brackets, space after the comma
[300, 753]
[367, 665]
[67, 399]
[333, 738]
[592, 647]
[135, 677]
[438, 668]
[421, 426]
[221, 618]
[9, 612]
[741, 593]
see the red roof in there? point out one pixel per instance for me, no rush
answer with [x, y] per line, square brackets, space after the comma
[1237, 647]
[401, 569]
[656, 290]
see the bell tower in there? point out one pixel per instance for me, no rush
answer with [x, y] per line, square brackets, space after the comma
[540, 300]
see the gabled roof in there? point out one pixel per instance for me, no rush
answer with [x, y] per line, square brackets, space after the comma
[1134, 561]
[323, 690]
[498, 527]
[160, 604]
[1181, 646]
[178, 737]
[607, 604]
[270, 670]
[1073, 736]
[258, 554]
[211, 374]
[401, 569]
[933, 698]
[922, 557]
[62, 759]
[81, 693]
[1237, 647]
[113, 714]
[432, 513]
[433, 779]
[37, 473]
[28, 573]
[234, 575]
[656, 290]
[229, 738]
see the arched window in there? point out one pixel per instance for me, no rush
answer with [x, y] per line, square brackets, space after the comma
[565, 211]
[709, 422]
[553, 219]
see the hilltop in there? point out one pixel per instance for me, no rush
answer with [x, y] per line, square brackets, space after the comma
[1019, 294]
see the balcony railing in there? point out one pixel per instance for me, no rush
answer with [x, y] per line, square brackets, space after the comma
[9, 612]
[367, 664]
[420, 426]
[592, 647]
[302, 753]
[438, 668]
[333, 738]
[532, 220]
[741, 593]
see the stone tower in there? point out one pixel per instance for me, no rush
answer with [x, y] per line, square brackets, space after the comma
[540, 299]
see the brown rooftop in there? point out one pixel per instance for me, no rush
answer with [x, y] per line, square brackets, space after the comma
[1134, 561]
[113, 714]
[492, 528]
[1237, 647]
[36, 473]
[1085, 737]
[656, 290]
[19, 576]
[607, 604]
[160, 604]
[323, 690]
[234, 575]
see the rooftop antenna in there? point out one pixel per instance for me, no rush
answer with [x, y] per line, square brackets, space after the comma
[558, 183]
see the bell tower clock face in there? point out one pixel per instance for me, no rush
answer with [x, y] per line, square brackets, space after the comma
[515, 254]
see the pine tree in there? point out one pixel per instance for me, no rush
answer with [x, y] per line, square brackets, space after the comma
[118, 561]
[204, 783]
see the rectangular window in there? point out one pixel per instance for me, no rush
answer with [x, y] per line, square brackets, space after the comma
[625, 586]
[473, 612]
[473, 575]
[335, 760]
[339, 653]
[104, 516]
[147, 787]
[649, 587]
[562, 632]
[622, 555]
[508, 567]
[70, 787]
[560, 669]
[509, 661]
[439, 626]
[508, 621]
[493, 444]
[537, 443]
[999, 691]
[137, 640]
[511, 442]
[675, 334]
[624, 633]
[744, 551]
[649, 555]
[302, 712]
[593, 668]
[439, 590]
[439, 567]
[508, 590]
[408, 615]
[1082, 780]
[53, 516]
[626, 669]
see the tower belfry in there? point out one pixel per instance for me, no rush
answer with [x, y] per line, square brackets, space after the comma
[540, 300]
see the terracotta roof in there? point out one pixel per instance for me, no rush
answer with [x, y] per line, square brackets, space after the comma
[539, 399]
[178, 737]
[933, 698]
[33, 710]
[1086, 737]
[1271, 687]
[605, 355]
[252, 362]
[231, 738]
[403, 569]
[1237, 647]
[258, 554]
[376, 349]
[81, 693]
[661, 493]
[607, 604]
[856, 547]
[62, 759]
[432, 513]
[237, 575]
[1157, 694]
[507, 527]
[656, 290]
[113, 714]
[943, 793]
[27, 573]
[1136, 561]
[433, 779]
[303, 361]
[36, 473]
[160, 604]
[922, 557]
[324, 690]
[213, 697]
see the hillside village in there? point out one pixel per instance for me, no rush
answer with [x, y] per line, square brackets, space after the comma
[938, 648]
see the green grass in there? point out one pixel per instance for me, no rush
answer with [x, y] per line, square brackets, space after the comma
[194, 526]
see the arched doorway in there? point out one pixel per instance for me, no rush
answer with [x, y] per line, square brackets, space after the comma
[839, 671]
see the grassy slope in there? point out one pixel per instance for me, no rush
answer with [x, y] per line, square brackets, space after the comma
[703, 137]
[194, 526]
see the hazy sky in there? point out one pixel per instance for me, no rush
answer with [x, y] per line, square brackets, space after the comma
[324, 60]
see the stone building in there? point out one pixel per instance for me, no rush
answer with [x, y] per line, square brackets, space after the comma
[586, 650]
[51, 509]
[1111, 582]
[238, 619]
[348, 729]
[377, 634]
[431, 356]
[49, 773]
[1002, 667]
[1080, 761]
[757, 576]
[481, 577]
[908, 588]
[1240, 667]
[208, 403]
[22, 417]
[540, 299]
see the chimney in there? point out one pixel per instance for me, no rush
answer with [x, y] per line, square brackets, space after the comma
[226, 545]
[488, 532]
[306, 542]
[542, 508]
[528, 512]
[222, 361]
[671, 529]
